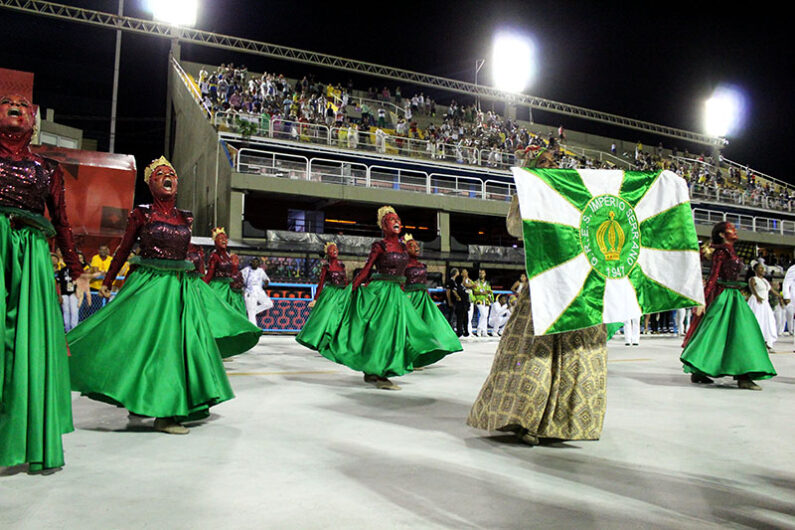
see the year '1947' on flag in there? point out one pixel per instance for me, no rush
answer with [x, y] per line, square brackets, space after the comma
[604, 246]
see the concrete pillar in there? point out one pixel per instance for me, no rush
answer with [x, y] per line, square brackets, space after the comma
[235, 226]
[443, 223]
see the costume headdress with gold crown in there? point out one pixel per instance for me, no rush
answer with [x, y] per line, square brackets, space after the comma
[382, 211]
[217, 231]
[329, 245]
[155, 164]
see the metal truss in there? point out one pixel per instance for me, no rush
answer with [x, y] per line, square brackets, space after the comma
[215, 40]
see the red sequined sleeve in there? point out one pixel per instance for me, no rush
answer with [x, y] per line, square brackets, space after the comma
[63, 230]
[211, 267]
[201, 269]
[135, 221]
[321, 281]
[376, 250]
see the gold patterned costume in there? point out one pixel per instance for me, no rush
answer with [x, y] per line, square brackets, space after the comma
[552, 386]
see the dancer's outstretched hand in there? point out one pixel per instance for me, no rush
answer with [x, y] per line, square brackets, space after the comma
[698, 310]
[104, 291]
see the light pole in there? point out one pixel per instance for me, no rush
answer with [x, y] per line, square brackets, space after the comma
[115, 97]
[478, 65]
[177, 13]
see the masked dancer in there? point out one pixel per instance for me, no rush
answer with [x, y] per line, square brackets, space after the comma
[332, 298]
[152, 349]
[223, 274]
[381, 333]
[726, 340]
[417, 290]
[35, 403]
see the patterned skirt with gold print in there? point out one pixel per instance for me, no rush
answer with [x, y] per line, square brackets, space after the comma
[551, 385]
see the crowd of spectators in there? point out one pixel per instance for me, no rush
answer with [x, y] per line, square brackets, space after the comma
[463, 133]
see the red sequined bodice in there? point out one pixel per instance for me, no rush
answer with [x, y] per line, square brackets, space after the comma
[337, 278]
[161, 240]
[25, 184]
[224, 267]
[392, 263]
[417, 274]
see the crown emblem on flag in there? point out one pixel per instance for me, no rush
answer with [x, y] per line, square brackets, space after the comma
[610, 238]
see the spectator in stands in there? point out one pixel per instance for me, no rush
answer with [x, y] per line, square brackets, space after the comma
[68, 289]
[381, 117]
[100, 263]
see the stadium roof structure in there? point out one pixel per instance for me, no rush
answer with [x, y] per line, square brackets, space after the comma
[237, 44]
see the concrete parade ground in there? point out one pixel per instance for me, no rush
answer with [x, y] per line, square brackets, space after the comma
[306, 444]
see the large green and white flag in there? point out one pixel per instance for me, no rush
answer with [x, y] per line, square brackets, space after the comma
[606, 245]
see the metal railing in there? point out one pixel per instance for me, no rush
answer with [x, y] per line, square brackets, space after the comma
[739, 197]
[750, 223]
[599, 155]
[328, 171]
[344, 138]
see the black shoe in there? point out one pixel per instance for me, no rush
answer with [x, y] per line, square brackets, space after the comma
[700, 379]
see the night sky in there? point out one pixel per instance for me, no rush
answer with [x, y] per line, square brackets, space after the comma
[656, 64]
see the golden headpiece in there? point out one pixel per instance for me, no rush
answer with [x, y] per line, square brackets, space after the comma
[407, 238]
[327, 245]
[217, 231]
[153, 165]
[610, 238]
[382, 211]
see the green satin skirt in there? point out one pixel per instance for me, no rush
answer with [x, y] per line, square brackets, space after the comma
[234, 334]
[223, 289]
[324, 319]
[728, 341]
[35, 403]
[382, 334]
[434, 319]
[151, 349]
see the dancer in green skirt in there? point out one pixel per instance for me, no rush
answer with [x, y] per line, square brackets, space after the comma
[223, 274]
[233, 333]
[381, 334]
[726, 340]
[35, 403]
[417, 290]
[152, 349]
[331, 301]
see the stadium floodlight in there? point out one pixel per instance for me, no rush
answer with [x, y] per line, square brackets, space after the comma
[513, 62]
[724, 111]
[175, 12]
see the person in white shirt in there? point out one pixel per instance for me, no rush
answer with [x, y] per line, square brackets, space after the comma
[788, 293]
[255, 279]
[759, 304]
[500, 312]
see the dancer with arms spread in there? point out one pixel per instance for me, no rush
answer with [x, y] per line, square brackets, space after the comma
[151, 349]
[381, 333]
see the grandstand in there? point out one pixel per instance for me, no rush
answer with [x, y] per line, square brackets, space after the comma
[288, 164]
